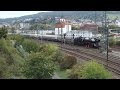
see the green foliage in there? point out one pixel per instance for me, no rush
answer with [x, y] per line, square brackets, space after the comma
[75, 27]
[38, 66]
[22, 52]
[12, 30]
[18, 38]
[93, 70]
[90, 70]
[25, 58]
[12, 60]
[49, 49]
[3, 67]
[33, 27]
[58, 56]
[68, 62]
[74, 73]
[118, 43]
[4, 46]
[41, 26]
[112, 41]
[3, 32]
[30, 46]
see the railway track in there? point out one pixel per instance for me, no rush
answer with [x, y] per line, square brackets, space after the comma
[112, 66]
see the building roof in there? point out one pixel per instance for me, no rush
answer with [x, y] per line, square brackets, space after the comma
[89, 26]
[60, 25]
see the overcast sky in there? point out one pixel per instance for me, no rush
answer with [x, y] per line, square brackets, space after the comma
[11, 14]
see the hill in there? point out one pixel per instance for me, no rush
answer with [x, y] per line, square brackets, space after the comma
[66, 14]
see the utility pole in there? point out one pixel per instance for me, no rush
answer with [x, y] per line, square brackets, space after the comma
[104, 36]
[61, 37]
[107, 34]
[73, 38]
[95, 17]
[96, 30]
[64, 38]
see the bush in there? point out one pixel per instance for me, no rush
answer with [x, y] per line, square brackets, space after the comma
[93, 70]
[74, 73]
[13, 61]
[3, 67]
[118, 43]
[38, 66]
[49, 49]
[18, 38]
[12, 54]
[3, 32]
[90, 70]
[58, 57]
[112, 41]
[30, 46]
[68, 62]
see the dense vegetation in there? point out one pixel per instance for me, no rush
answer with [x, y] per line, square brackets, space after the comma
[89, 70]
[23, 58]
[3, 32]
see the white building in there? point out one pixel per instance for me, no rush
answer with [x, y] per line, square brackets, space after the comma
[62, 27]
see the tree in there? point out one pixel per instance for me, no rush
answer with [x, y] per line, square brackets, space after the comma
[3, 32]
[38, 66]
[33, 27]
[12, 30]
[40, 26]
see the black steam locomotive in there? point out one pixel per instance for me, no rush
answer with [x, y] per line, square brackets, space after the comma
[87, 42]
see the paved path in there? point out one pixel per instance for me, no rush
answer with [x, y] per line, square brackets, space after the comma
[55, 76]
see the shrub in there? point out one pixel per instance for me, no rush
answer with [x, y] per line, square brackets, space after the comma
[49, 49]
[3, 32]
[3, 67]
[22, 51]
[29, 46]
[58, 56]
[90, 70]
[93, 70]
[118, 43]
[38, 66]
[68, 62]
[112, 41]
[18, 38]
[13, 61]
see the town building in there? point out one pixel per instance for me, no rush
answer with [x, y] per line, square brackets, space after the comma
[89, 26]
[62, 26]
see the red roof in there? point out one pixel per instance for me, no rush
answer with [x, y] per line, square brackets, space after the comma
[89, 26]
[60, 25]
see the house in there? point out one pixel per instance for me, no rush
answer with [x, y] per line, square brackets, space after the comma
[89, 26]
[62, 26]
